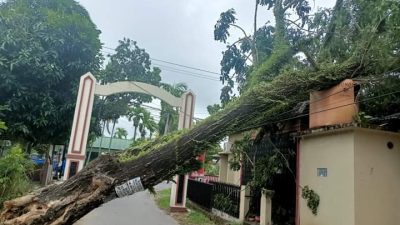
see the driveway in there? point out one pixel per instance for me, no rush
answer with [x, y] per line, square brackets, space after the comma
[138, 209]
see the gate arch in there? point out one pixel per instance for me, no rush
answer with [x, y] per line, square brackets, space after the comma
[88, 87]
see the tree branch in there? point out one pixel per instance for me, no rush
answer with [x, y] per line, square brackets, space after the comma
[332, 24]
[255, 49]
[240, 28]
[309, 58]
[240, 40]
[298, 26]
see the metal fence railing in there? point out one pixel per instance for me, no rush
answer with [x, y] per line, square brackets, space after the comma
[221, 196]
[200, 193]
[226, 198]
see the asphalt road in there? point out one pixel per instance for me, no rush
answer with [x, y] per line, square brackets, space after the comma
[138, 209]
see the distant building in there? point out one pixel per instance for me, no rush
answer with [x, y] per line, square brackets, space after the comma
[102, 144]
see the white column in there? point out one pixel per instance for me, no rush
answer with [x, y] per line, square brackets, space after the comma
[266, 208]
[185, 121]
[244, 202]
[80, 127]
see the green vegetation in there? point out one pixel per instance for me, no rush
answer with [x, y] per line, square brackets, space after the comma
[194, 217]
[170, 115]
[162, 198]
[211, 167]
[45, 47]
[222, 202]
[121, 133]
[312, 199]
[3, 126]
[14, 170]
[129, 63]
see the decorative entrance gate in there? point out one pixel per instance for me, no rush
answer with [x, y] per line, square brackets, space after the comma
[83, 111]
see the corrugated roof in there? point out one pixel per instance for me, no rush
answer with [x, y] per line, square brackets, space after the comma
[116, 144]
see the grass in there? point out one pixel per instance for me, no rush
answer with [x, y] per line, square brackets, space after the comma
[162, 199]
[193, 217]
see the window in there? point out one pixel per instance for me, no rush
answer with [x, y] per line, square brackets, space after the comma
[322, 172]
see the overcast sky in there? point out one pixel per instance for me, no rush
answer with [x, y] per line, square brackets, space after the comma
[179, 31]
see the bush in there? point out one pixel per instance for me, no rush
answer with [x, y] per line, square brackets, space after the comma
[14, 170]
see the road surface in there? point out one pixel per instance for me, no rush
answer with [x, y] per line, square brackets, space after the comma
[138, 209]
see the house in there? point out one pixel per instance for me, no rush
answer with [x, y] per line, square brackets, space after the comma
[226, 174]
[102, 145]
[354, 171]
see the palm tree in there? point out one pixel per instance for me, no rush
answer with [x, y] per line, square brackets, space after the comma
[169, 115]
[142, 121]
[120, 133]
[152, 126]
[140, 117]
[136, 114]
[175, 89]
[148, 124]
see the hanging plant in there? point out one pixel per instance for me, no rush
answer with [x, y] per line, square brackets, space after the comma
[312, 199]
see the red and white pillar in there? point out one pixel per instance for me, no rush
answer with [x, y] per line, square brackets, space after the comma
[179, 188]
[80, 127]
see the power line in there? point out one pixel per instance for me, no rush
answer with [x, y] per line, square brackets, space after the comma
[311, 102]
[185, 72]
[188, 67]
[158, 109]
[179, 71]
[175, 64]
[324, 110]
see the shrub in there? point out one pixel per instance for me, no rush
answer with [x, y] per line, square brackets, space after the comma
[14, 170]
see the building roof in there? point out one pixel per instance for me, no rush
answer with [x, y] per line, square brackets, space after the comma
[116, 144]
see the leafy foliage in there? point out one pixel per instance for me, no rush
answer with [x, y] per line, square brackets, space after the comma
[3, 126]
[142, 120]
[128, 63]
[312, 199]
[169, 113]
[45, 46]
[212, 109]
[222, 202]
[14, 170]
[131, 63]
[221, 32]
[120, 133]
[242, 55]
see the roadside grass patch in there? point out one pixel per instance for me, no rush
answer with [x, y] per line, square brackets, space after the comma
[162, 198]
[193, 217]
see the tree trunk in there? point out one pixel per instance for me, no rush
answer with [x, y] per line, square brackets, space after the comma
[101, 138]
[134, 133]
[254, 45]
[112, 135]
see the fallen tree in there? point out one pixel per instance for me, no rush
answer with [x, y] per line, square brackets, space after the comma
[161, 159]
[266, 101]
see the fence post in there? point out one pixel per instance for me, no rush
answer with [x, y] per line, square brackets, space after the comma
[244, 202]
[266, 207]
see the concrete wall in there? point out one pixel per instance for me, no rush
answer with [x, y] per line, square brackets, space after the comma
[362, 186]
[233, 177]
[377, 173]
[223, 167]
[225, 173]
[333, 151]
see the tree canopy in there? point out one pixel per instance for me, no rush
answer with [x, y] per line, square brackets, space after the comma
[45, 46]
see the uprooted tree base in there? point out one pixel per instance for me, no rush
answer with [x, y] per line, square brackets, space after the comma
[164, 157]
